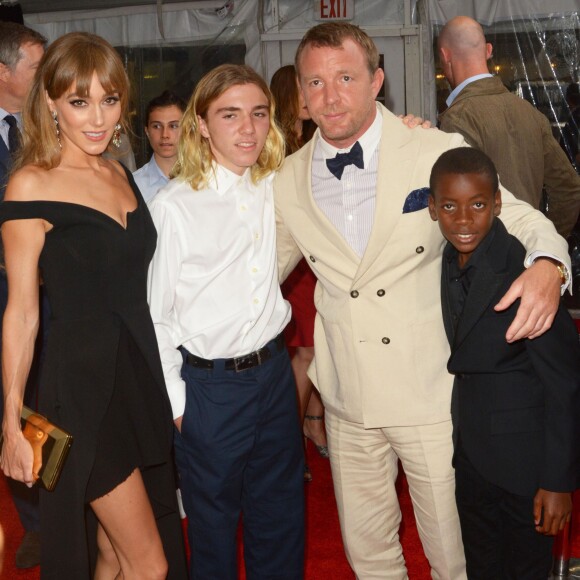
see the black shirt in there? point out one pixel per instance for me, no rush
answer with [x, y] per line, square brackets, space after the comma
[458, 280]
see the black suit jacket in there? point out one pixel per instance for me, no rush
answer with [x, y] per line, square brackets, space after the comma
[515, 407]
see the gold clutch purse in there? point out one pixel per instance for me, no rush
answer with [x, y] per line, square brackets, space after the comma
[50, 446]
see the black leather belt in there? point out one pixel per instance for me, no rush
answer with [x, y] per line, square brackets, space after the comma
[240, 363]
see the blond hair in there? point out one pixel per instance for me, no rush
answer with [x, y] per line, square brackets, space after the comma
[70, 61]
[194, 157]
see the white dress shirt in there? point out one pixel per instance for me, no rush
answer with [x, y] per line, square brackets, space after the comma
[150, 179]
[349, 203]
[213, 281]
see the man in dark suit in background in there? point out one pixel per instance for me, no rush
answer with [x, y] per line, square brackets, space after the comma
[20, 52]
[515, 135]
[515, 407]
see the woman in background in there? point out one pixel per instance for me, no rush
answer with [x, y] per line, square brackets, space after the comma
[79, 220]
[294, 120]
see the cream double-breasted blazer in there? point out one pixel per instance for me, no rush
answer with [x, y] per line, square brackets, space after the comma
[380, 345]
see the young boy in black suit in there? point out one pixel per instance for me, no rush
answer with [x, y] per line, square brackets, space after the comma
[515, 407]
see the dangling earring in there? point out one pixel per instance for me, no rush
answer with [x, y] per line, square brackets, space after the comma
[55, 119]
[117, 136]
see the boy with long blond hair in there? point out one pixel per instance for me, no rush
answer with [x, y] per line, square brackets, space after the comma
[219, 316]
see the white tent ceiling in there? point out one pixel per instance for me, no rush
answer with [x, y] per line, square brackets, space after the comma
[33, 6]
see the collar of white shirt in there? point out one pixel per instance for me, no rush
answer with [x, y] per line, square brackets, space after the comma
[223, 180]
[155, 173]
[369, 141]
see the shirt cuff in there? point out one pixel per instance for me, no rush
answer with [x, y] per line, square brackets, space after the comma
[535, 255]
[176, 392]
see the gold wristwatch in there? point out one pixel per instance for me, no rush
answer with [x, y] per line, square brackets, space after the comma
[562, 270]
[564, 276]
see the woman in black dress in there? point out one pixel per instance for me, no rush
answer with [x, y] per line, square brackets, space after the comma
[77, 220]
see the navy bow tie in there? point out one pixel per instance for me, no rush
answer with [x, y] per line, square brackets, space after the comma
[354, 156]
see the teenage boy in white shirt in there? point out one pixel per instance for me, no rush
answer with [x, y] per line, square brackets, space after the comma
[219, 314]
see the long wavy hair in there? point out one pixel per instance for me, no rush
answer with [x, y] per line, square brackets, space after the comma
[284, 89]
[71, 61]
[194, 157]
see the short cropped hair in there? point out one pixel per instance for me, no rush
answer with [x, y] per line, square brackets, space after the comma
[12, 37]
[463, 160]
[165, 99]
[333, 35]
[194, 157]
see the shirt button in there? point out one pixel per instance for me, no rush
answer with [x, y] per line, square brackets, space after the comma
[354, 293]
[312, 259]
[256, 301]
[254, 269]
[385, 340]
[419, 249]
[380, 292]
[349, 217]
[257, 236]
[243, 207]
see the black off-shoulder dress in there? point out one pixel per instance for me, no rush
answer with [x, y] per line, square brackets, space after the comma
[102, 378]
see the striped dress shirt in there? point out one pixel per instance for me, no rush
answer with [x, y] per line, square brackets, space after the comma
[349, 203]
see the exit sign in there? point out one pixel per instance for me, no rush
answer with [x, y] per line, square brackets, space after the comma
[333, 9]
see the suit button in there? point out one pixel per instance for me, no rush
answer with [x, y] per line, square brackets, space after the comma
[385, 340]
[354, 294]
[380, 292]
[419, 249]
[312, 258]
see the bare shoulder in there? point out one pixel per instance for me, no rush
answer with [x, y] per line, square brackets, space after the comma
[116, 168]
[27, 184]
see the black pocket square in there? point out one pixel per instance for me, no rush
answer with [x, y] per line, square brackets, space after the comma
[416, 200]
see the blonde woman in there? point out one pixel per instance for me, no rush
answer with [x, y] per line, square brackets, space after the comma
[79, 220]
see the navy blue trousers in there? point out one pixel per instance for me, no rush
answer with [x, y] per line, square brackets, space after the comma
[240, 453]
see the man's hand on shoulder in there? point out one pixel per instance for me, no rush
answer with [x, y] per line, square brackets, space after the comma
[539, 289]
[411, 121]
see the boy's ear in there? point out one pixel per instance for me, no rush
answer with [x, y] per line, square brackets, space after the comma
[202, 127]
[432, 211]
[497, 203]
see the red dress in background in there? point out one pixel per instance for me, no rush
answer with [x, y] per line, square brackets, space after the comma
[298, 289]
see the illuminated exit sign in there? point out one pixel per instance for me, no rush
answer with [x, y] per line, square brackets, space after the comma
[333, 9]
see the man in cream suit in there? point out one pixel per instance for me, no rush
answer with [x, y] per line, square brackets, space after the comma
[354, 202]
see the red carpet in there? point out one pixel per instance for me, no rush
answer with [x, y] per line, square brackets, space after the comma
[324, 553]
